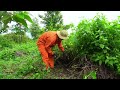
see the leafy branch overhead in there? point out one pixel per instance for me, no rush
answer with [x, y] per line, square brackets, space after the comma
[20, 17]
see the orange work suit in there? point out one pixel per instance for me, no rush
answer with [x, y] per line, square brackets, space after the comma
[45, 42]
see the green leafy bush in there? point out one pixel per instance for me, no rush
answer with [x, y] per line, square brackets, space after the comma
[17, 38]
[5, 42]
[99, 39]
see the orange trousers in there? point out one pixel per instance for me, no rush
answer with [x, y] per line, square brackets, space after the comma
[47, 59]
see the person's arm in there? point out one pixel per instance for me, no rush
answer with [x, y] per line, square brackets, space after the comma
[47, 46]
[60, 46]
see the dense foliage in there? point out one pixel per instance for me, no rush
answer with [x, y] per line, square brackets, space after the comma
[96, 39]
[99, 39]
[16, 16]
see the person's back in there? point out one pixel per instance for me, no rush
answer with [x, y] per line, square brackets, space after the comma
[45, 36]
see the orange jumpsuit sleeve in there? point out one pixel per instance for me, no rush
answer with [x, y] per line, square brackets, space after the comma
[47, 46]
[60, 46]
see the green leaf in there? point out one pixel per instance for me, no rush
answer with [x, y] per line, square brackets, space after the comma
[20, 15]
[106, 61]
[105, 51]
[6, 18]
[100, 62]
[102, 46]
[93, 74]
[116, 61]
[111, 63]
[107, 48]
[28, 18]
[85, 77]
[17, 19]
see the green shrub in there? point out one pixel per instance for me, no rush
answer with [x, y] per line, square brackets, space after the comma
[100, 40]
[5, 42]
[17, 38]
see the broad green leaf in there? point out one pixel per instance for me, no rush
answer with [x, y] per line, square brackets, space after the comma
[5, 17]
[107, 48]
[105, 39]
[7, 20]
[20, 15]
[102, 46]
[93, 74]
[111, 63]
[100, 62]
[17, 19]
[1, 13]
[105, 51]
[28, 18]
[106, 61]
[116, 61]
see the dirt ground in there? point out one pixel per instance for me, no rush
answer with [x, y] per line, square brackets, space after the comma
[77, 71]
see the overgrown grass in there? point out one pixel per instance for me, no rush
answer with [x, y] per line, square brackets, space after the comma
[22, 62]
